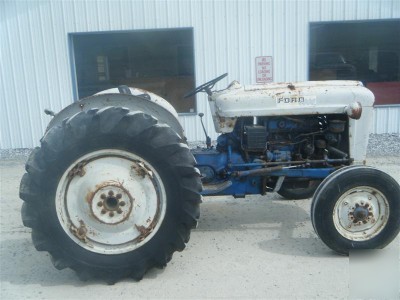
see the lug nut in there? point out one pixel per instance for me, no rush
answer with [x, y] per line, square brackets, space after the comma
[121, 203]
[110, 193]
[103, 211]
[369, 197]
[119, 196]
[345, 203]
[111, 214]
[119, 211]
[362, 202]
[100, 203]
[103, 196]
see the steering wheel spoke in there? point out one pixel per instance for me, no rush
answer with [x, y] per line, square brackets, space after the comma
[206, 87]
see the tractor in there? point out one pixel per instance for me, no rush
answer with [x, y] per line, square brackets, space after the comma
[114, 189]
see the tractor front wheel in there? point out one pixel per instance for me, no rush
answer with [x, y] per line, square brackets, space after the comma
[356, 207]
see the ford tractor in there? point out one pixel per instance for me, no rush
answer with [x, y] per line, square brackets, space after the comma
[114, 190]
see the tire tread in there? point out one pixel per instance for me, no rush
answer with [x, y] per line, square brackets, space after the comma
[121, 123]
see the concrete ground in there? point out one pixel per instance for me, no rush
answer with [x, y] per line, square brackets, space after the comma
[257, 247]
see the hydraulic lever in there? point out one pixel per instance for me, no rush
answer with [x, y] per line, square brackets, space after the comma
[208, 139]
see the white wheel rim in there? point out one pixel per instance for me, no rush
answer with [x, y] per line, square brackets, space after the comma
[361, 213]
[110, 201]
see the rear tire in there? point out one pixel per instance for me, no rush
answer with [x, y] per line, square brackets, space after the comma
[110, 194]
[356, 207]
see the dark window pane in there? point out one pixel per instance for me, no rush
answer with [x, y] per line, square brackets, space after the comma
[160, 61]
[368, 51]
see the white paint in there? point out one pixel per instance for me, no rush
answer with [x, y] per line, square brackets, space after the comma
[371, 200]
[116, 171]
[153, 98]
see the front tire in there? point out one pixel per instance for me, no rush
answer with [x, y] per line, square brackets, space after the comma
[110, 193]
[356, 207]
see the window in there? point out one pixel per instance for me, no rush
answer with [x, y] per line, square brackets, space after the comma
[160, 61]
[368, 51]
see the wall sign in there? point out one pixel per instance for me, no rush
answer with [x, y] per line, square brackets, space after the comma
[264, 69]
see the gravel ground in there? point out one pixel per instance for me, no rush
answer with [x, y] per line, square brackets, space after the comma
[7, 154]
[384, 144]
[379, 145]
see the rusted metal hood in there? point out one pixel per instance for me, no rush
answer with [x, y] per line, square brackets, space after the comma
[297, 98]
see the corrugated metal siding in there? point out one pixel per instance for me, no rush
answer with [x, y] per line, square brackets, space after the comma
[391, 115]
[228, 35]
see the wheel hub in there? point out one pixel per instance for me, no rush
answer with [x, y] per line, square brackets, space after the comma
[111, 204]
[361, 213]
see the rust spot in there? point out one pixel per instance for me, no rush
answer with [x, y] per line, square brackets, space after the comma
[141, 229]
[354, 110]
[221, 121]
[291, 87]
[225, 122]
[78, 170]
[89, 196]
[79, 232]
[142, 170]
[144, 232]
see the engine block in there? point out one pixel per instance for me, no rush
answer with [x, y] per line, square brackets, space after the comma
[311, 141]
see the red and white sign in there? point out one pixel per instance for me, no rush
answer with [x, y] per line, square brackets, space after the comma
[264, 69]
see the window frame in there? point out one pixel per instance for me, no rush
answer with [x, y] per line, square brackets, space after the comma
[72, 60]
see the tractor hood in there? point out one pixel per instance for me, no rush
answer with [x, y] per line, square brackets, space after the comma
[297, 98]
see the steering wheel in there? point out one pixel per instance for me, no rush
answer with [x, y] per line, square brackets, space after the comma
[206, 87]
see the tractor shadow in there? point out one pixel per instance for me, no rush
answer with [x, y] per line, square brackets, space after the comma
[279, 226]
[22, 265]
[283, 226]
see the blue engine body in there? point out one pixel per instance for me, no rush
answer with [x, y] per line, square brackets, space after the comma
[295, 146]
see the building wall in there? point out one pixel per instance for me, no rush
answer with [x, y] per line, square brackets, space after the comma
[228, 35]
[386, 119]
